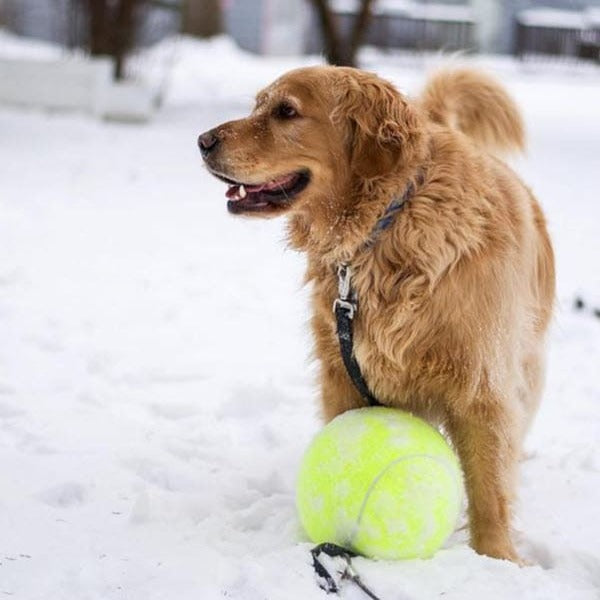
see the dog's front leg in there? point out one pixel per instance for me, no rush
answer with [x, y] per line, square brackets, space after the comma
[338, 393]
[486, 437]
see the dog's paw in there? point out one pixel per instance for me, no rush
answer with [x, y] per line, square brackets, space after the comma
[501, 550]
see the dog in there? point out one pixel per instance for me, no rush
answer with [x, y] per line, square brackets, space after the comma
[454, 296]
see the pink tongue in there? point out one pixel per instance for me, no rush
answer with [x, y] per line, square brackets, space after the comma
[271, 185]
[232, 191]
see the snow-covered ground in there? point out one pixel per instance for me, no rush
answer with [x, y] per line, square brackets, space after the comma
[156, 393]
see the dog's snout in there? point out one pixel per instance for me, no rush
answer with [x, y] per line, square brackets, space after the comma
[207, 142]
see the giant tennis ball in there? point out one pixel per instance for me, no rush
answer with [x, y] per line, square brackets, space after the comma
[380, 482]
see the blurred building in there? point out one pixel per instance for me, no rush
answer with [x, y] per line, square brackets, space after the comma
[290, 26]
[269, 26]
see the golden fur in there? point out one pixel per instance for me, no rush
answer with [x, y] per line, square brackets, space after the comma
[456, 296]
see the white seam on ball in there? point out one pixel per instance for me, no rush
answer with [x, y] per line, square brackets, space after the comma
[444, 463]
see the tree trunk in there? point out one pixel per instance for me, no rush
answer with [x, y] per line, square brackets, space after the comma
[331, 38]
[202, 18]
[99, 29]
[124, 33]
[361, 24]
[340, 51]
[112, 29]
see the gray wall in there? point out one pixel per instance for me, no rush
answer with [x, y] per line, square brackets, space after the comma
[268, 26]
[244, 23]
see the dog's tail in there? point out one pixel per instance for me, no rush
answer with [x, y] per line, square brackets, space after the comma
[476, 105]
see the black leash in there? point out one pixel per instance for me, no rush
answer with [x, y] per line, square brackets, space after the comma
[345, 307]
[344, 568]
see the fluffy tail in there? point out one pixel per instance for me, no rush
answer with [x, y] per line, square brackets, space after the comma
[476, 105]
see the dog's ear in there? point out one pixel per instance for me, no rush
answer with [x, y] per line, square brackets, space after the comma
[385, 131]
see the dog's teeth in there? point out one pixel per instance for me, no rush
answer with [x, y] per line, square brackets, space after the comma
[242, 192]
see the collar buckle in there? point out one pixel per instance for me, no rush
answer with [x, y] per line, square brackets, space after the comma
[348, 306]
[346, 299]
[344, 273]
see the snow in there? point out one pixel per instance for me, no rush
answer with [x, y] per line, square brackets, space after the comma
[552, 17]
[39, 75]
[156, 393]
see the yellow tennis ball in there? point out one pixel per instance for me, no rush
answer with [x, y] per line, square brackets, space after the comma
[381, 482]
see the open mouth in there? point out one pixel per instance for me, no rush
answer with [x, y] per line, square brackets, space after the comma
[265, 197]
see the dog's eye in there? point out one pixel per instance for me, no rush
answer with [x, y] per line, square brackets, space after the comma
[285, 111]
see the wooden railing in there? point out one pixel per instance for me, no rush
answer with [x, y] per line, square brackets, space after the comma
[558, 34]
[424, 27]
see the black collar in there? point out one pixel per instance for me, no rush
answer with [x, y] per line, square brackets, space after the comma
[393, 208]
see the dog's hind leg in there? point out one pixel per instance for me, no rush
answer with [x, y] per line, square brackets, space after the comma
[487, 440]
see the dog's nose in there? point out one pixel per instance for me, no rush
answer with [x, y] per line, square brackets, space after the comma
[207, 142]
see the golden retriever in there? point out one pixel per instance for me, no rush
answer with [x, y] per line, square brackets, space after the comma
[455, 296]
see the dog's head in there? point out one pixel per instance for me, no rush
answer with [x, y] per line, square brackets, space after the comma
[314, 134]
